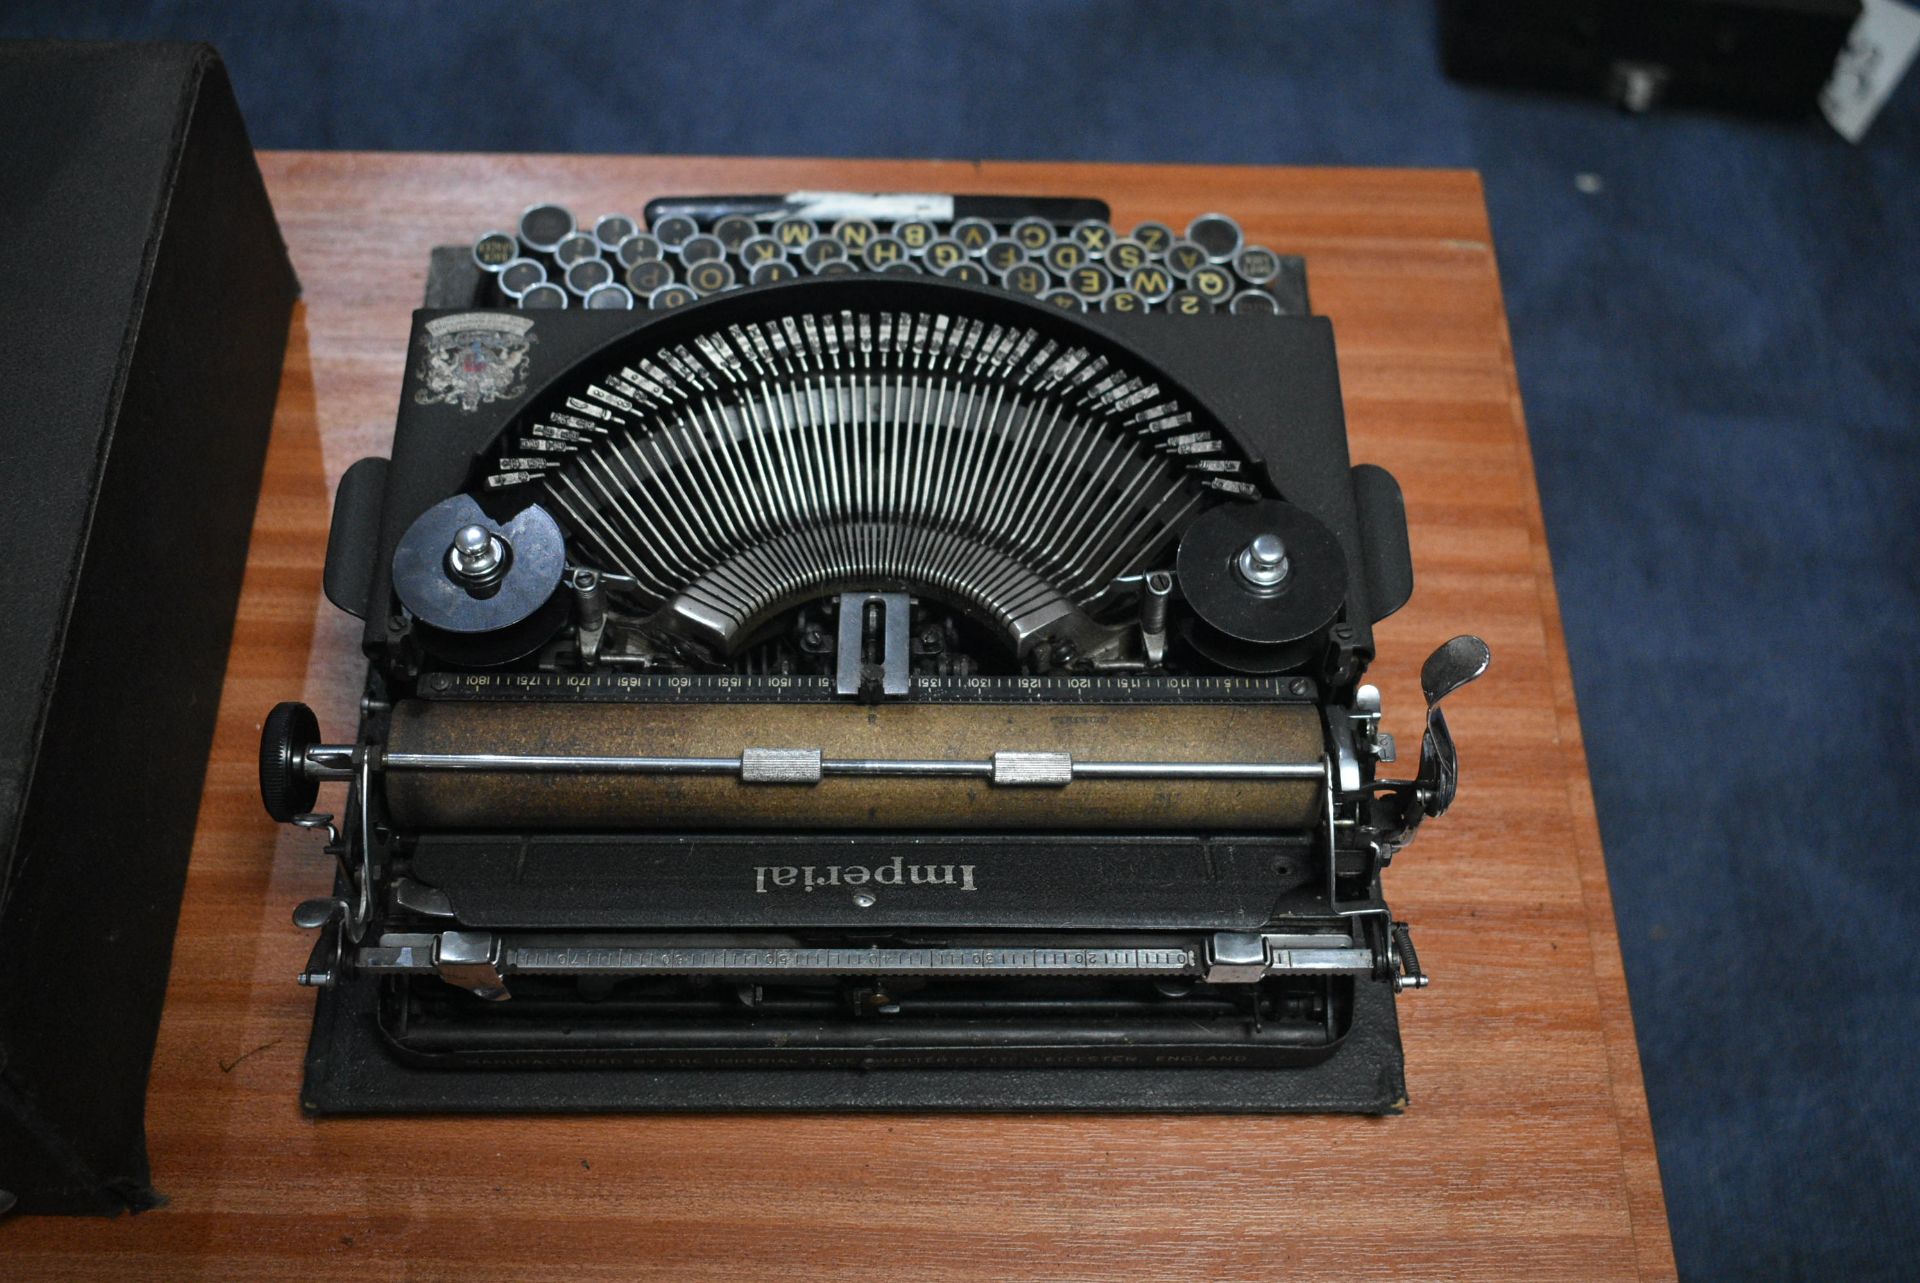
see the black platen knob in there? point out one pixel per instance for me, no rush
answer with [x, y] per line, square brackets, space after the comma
[290, 731]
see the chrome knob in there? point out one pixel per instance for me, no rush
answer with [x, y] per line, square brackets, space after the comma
[1263, 563]
[476, 554]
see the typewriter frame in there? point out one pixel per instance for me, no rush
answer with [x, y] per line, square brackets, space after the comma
[1248, 366]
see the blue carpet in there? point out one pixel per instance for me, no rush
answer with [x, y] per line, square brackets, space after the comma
[1718, 354]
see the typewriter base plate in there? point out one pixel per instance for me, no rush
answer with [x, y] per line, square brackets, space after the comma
[351, 1070]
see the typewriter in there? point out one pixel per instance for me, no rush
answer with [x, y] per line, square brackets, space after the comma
[918, 665]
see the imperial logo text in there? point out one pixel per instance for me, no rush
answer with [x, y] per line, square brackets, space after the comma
[806, 877]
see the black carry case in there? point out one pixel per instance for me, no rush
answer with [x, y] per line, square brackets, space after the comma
[143, 316]
[1769, 57]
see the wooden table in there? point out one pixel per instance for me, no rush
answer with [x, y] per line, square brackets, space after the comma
[1525, 1153]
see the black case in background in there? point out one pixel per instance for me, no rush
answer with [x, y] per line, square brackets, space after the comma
[143, 315]
[1769, 57]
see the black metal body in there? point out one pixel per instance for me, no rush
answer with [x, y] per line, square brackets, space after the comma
[647, 1042]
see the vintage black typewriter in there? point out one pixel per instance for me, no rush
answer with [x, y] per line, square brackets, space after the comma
[930, 685]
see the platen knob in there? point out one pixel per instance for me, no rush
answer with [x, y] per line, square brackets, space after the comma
[291, 729]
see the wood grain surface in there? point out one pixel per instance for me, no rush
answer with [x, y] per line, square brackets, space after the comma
[1525, 1153]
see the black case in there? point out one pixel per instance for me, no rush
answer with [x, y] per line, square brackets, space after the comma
[145, 309]
[1769, 57]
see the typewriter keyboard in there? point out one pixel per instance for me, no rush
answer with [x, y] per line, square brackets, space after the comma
[1089, 265]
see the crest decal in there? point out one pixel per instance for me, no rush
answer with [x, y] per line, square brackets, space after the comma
[475, 357]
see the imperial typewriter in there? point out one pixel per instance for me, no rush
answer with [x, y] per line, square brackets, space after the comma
[864, 652]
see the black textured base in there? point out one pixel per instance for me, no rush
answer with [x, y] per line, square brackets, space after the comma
[351, 1070]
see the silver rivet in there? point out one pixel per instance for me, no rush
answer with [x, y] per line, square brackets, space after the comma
[864, 899]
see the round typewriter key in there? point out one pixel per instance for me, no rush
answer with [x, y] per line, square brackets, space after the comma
[1212, 282]
[675, 230]
[1123, 301]
[671, 296]
[576, 248]
[521, 275]
[544, 226]
[494, 251]
[1185, 258]
[945, 253]
[611, 229]
[636, 248]
[1003, 255]
[1187, 303]
[1093, 235]
[883, 252]
[916, 234]
[1026, 278]
[855, 233]
[756, 250]
[974, 234]
[839, 267]
[792, 233]
[701, 249]
[588, 275]
[1090, 281]
[711, 276]
[1065, 300]
[1064, 256]
[1033, 234]
[1217, 234]
[1254, 303]
[970, 273]
[610, 298]
[1152, 282]
[769, 273]
[1256, 264]
[648, 275]
[735, 230]
[819, 253]
[545, 294]
[1155, 236]
[1126, 254]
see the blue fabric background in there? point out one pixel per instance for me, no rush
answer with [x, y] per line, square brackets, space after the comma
[1718, 354]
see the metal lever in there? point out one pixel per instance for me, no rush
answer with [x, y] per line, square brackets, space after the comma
[1453, 665]
[328, 915]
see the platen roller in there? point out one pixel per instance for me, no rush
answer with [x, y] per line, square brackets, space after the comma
[1280, 737]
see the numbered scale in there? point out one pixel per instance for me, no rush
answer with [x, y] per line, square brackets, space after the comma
[709, 688]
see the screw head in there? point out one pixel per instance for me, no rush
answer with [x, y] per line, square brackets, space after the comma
[865, 899]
